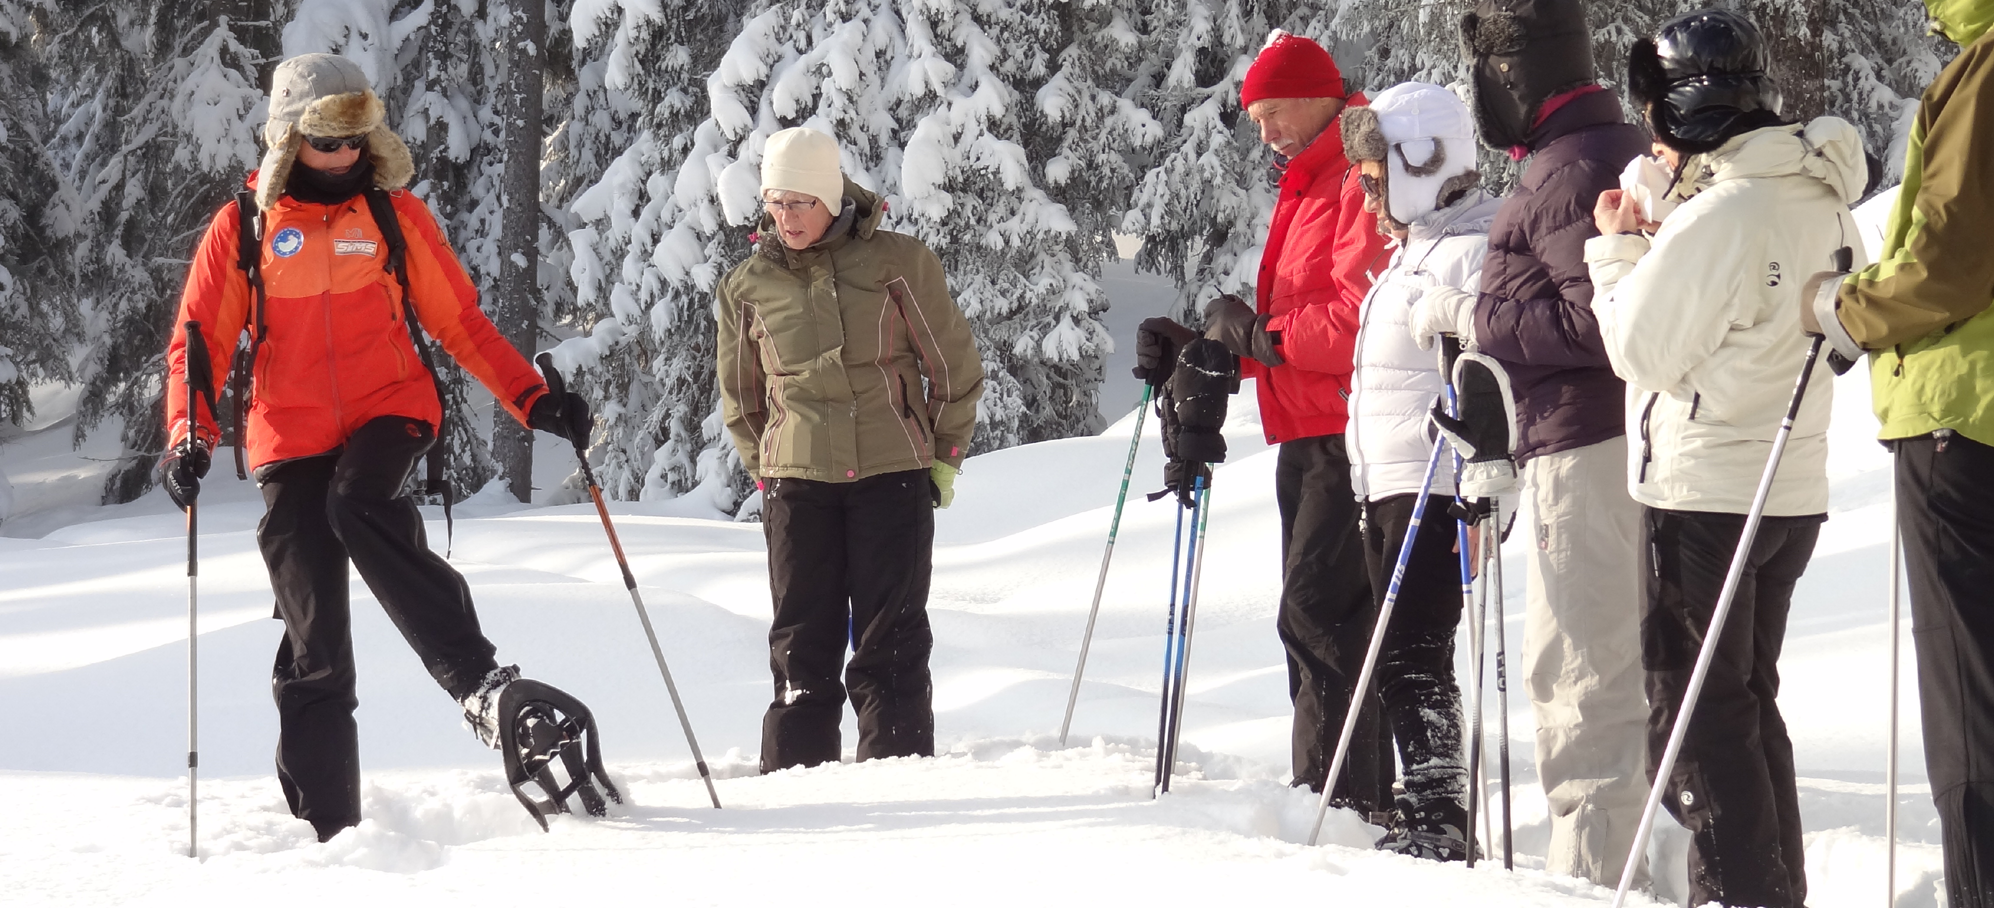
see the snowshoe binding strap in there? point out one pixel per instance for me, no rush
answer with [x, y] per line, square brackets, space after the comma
[549, 739]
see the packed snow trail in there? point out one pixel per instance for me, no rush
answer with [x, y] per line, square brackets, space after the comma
[92, 619]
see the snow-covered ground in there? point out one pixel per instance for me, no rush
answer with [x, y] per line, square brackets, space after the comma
[92, 669]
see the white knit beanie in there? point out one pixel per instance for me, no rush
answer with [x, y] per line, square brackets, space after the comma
[804, 160]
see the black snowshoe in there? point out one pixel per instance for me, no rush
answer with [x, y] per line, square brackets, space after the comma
[549, 739]
[1433, 832]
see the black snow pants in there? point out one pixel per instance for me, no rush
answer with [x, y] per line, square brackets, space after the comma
[322, 512]
[1416, 666]
[849, 563]
[1945, 508]
[1326, 620]
[1732, 786]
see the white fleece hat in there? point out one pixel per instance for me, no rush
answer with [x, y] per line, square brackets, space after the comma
[804, 160]
[1425, 136]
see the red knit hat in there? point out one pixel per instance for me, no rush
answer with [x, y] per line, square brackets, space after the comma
[1290, 66]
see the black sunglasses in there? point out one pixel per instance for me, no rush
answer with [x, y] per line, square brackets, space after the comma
[328, 145]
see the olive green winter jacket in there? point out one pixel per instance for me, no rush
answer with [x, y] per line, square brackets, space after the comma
[824, 352]
[1924, 307]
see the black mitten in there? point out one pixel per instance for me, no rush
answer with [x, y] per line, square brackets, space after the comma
[1484, 435]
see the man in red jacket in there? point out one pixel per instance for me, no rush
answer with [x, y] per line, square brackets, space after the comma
[1297, 340]
[343, 408]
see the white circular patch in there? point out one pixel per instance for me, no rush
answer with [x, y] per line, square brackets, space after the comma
[288, 242]
[1688, 800]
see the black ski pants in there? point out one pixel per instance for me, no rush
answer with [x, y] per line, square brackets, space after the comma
[322, 512]
[1733, 782]
[1945, 508]
[1415, 671]
[849, 563]
[1325, 621]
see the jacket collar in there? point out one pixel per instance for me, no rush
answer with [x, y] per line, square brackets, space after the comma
[1828, 149]
[861, 215]
[1471, 213]
[1595, 108]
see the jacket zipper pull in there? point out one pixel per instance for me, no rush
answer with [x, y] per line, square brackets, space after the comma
[1944, 437]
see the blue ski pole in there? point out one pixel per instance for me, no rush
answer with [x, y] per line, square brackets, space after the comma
[1201, 517]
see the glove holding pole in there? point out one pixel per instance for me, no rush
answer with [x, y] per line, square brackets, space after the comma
[1820, 298]
[1193, 409]
[567, 416]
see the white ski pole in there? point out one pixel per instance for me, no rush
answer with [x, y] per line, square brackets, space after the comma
[1101, 582]
[1709, 650]
[1363, 684]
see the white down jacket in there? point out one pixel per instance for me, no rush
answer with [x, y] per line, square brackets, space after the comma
[1703, 321]
[1395, 383]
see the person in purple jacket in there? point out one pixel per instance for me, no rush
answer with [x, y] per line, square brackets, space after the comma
[1535, 96]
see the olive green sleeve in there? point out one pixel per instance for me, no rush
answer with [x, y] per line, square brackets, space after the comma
[948, 354]
[1937, 267]
[743, 383]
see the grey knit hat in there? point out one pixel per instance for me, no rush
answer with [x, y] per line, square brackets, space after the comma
[326, 95]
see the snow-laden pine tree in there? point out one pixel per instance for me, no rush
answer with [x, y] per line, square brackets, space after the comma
[996, 134]
[38, 321]
[153, 108]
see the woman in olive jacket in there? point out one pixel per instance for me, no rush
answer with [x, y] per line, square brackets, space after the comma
[828, 335]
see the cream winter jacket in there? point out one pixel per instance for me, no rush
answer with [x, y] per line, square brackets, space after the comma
[1395, 383]
[1703, 322]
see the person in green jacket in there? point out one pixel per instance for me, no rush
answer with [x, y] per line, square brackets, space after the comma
[1922, 314]
[849, 381]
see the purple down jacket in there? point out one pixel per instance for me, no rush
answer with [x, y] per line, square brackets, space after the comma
[1535, 310]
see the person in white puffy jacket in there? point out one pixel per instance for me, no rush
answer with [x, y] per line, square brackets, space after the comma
[1702, 321]
[1415, 146]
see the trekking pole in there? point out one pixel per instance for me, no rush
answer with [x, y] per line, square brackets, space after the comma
[1169, 660]
[1494, 541]
[1462, 534]
[555, 385]
[1709, 650]
[1201, 515]
[1101, 582]
[1363, 685]
[200, 376]
[1890, 756]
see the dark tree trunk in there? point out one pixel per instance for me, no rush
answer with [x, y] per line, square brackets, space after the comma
[519, 235]
[1793, 34]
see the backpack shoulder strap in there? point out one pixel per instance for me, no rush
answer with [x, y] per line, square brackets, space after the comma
[249, 258]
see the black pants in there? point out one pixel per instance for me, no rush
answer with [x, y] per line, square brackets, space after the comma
[1416, 666]
[1732, 786]
[1945, 507]
[1326, 620]
[323, 511]
[849, 563]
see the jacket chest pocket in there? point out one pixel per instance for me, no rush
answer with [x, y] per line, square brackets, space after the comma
[788, 337]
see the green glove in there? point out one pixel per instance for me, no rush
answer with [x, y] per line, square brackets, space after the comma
[942, 477]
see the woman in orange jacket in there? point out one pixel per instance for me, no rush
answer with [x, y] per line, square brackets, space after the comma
[343, 407]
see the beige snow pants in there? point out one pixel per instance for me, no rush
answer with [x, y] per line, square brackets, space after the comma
[1581, 656]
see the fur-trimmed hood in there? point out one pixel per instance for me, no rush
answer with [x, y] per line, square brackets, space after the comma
[326, 95]
[1425, 137]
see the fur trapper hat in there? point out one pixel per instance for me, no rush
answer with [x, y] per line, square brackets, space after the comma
[326, 95]
[1425, 137]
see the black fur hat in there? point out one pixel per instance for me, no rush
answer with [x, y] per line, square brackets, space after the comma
[1521, 54]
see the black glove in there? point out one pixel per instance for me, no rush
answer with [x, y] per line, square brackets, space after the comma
[563, 413]
[1157, 341]
[1193, 408]
[1484, 435]
[180, 471]
[1230, 321]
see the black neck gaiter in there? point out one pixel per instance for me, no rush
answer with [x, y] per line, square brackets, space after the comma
[321, 188]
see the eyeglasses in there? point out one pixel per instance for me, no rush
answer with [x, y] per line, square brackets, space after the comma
[331, 145]
[796, 207]
[1371, 186]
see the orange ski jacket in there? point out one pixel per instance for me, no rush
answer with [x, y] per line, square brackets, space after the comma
[336, 352]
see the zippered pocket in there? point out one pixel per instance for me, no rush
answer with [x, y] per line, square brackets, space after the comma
[907, 408]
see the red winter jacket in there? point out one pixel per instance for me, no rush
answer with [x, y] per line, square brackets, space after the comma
[1322, 250]
[336, 351]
